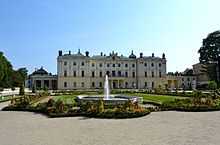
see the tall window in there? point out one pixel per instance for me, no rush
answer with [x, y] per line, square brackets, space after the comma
[113, 73]
[126, 84]
[152, 74]
[93, 74]
[82, 84]
[152, 85]
[126, 65]
[126, 74]
[65, 84]
[74, 63]
[145, 73]
[113, 65]
[159, 64]
[152, 64]
[93, 64]
[100, 65]
[74, 73]
[119, 73]
[133, 74]
[133, 65]
[65, 63]
[108, 65]
[74, 84]
[119, 65]
[82, 73]
[160, 74]
[145, 64]
[65, 73]
[100, 84]
[93, 84]
[100, 74]
[83, 63]
[145, 84]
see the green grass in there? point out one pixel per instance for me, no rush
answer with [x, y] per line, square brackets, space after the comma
[67, 99]
[156, 98]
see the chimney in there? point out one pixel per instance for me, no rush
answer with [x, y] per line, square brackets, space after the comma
[60, 53]
[87, 53]
[141, 55]
[163, 56]
[69, 52]
[101, 53]
[152, 54]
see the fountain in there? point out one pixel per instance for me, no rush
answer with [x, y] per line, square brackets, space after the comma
[106, 88]
[107, 98]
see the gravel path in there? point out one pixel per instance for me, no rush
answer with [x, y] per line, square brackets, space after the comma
[160, 128]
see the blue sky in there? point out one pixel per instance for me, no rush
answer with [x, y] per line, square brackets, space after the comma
[32, 31]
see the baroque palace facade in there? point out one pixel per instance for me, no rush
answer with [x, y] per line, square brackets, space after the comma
[82, 71]
[78, 71]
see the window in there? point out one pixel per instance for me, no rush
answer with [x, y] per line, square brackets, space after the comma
[83, 64]
[188, 79]
[74, 63]
[93, 74]
[65, 73]
[113, 65]
[65, 63]
[108, 73]
[82, 73]
[152, 85]
[100, 74]
[108, 65]
[152, 64]
[113, 73]
[119, 65]
[159, 64]
[93, 84]
[126, 65]
[65, 84]
[126, 74]
[133, 74]
[126, 84]
[145, 74]
[93, 64]
[160, 74]
[74, 73]
[82, 84]
[145, 64]
[182, 79]
[119, 73]
[100, 84]
[152, 74]
[100, 65]
[74, 84]
[145, 84]
[133, 65]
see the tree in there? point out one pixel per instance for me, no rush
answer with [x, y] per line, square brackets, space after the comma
[210, 53]
[210, 49]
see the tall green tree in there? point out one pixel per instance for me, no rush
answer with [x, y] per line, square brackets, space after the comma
[210, 54]
[8, 76]
[210, 49]
[5, 72]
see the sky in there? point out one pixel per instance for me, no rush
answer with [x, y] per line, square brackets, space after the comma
[32, 31]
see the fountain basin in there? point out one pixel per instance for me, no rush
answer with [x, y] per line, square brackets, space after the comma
[111, 100]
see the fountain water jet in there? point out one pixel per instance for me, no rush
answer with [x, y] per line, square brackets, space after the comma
[106, 88]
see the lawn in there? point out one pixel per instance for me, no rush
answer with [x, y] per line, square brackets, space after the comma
[156, 98]
[67, 99]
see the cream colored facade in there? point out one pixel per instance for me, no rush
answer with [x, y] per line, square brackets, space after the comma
[78, 71]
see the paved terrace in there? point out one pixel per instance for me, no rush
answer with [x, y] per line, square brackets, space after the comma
[160, 128]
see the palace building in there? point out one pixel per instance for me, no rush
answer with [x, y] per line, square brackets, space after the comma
[82, 71]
